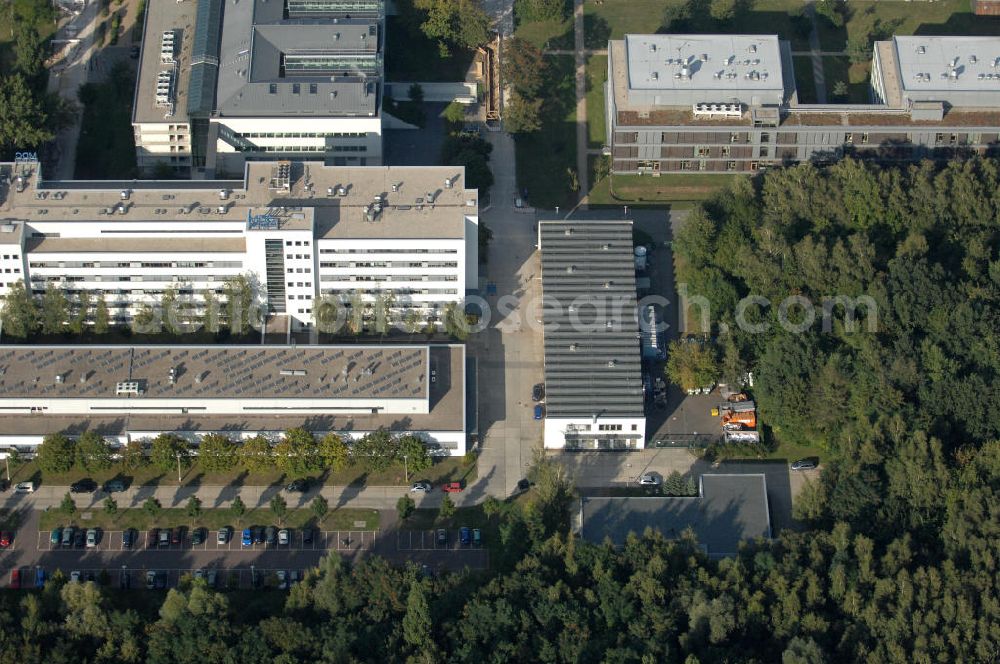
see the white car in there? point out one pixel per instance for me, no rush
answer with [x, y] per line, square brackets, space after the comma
[91, 538]
[418, 487]
[74, 576]
[24, 487]
[283, 537]
[650, 479]
[282, 580]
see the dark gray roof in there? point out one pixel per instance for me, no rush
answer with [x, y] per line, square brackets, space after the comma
[205, 58]
[731, 508]
[592, 360]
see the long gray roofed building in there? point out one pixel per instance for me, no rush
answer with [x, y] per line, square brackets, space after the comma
[728, 510]
[593, 371]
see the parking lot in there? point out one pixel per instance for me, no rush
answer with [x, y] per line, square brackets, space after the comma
[130, 578]
[340, 540]
[426, 540]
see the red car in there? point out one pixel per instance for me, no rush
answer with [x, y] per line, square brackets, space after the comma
[15, 579]
[4, 540]
[451, 487]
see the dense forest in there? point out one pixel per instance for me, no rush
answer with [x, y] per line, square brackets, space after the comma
[899, 558]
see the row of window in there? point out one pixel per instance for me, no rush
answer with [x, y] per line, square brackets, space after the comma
[388, 251]
[393, 277]
[303, 134]
[299, 270]
[130, 277]
[388, 264]
[11, 257]
[298, 256]
[121, 264]
[297, 243]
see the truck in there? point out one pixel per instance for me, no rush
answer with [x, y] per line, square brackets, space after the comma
[746, 420]
[653, 347]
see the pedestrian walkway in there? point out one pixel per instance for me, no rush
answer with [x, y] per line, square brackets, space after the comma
[222, 496]
[814, 51]
[583, 177]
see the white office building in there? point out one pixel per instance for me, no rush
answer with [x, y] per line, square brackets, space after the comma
[593, 369]
[135, 393]
[406, 235]
[222, 83]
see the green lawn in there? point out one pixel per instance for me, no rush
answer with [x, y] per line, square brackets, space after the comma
[839, 68]
[942, 17]
[213, 519]
[544, 156]
[597, 74]
[615, 18]
[547, 34]
[805, 83]
[447, 469]
[656, 191]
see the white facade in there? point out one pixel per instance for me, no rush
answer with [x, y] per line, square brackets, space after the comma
[132, 244]
[602, 433]
[419, 274]
[351, 141]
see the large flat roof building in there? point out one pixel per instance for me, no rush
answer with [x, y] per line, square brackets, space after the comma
[260, 79]
[593, 370]
[299, 230]
[136, 392]
[729, 103]
[728, 509]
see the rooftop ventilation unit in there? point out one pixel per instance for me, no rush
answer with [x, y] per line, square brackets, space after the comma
[172, 375]
[167, 47]
[654, 76]
[447, 183]
[341, 190]
[921, 50]
[973, 59]
[125, 194]
[165, 88]
[223, 194]
[652, 48]
[128, 387]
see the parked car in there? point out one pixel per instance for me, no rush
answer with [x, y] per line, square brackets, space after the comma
[67, 535]
[89, 575]
[271, 535]
[294, 577]
[299, 485]
[74, 576]
[539, 411]
[199, 573]
[128, 538]
[282, 579]
[538, 392]
[806, 464]
[5, 539]
[79, 538]
[307, 535]
[24, 487]
[55, 537]
[197, 536]
[153, 538]
[422, 485]
[650, 479]
[92, 538]
[161, 580]
[212, 578]
[247, 537]
[464, 536]
[113, 486]
[477, 537]
[442, 537]
[165, 536]
[134, 52]
[284, 537]
[223, 536]
[39, 577]
[15, 578]
[177, 535]
[258, 535]
[452, 487]
[83, 486]
[150, 580]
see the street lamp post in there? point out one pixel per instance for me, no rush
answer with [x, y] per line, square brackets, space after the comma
[406, 471]
[178, 467]
[7, 461]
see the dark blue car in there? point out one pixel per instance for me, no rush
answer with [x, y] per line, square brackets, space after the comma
[539, 411]
[39, 577]
[247, 537]
[465, 536]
